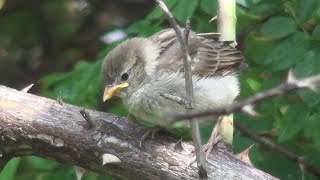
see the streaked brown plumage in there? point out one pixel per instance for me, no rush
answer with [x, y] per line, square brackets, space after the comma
[210, 56]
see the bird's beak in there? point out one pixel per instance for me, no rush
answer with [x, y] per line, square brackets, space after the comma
[109, 92]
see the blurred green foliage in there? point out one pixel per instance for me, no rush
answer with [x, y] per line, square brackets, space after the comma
[274, 36]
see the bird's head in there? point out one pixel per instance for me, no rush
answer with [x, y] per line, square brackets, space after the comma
[127, 66]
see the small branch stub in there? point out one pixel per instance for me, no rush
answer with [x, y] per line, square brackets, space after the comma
[26, 89]
[87, 117]
[244, 155]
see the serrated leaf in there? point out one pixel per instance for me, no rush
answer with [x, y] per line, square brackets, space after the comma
[184, 9]
[209, 6]
[292, 122]
[287, 53]
[279, 27]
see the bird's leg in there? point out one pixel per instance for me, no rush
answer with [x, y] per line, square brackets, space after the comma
[178, 147]
[150, 131]
[214, 138]
[131, 118]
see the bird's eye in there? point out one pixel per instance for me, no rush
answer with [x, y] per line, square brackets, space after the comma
[124, 76]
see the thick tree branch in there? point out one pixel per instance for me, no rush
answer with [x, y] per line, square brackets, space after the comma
[33, 125]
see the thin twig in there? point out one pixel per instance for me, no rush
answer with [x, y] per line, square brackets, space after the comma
[291, 85]
[266, 134]
[187, 53]
[176, 99]
[188, 82]
[195, 129]
[266, 142]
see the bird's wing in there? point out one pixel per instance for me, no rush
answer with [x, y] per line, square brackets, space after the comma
[210, 56]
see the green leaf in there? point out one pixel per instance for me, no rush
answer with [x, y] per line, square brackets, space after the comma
[306, 66]
[288, 52]
[32, 167]
[312, 129]
[257, 48]
[279, 27]
[40, 163]
[272, 163]
[265, 7]
[209, 6]
[316, 33]
[254, 84]
[245, 19]
[53, 78]
[143, 28]
[10, 169]
[310, 98]
[156, 13]
[310, 65]
[200, 23]
[307, 8]
[292, 122]
[81, 86]
[184, 9]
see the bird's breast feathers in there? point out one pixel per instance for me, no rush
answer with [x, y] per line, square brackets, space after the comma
[209, 92]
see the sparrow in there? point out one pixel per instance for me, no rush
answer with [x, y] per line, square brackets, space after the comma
[140, 70]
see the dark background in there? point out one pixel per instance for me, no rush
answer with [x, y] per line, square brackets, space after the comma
[57, 45]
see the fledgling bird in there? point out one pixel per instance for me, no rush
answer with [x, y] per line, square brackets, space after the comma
[140, 70]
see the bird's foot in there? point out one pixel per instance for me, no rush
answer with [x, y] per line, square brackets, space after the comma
[131, 119]
[207, 148]
[150, 131]
[213, 140]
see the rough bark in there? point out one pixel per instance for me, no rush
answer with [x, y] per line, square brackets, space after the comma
[33, 125]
